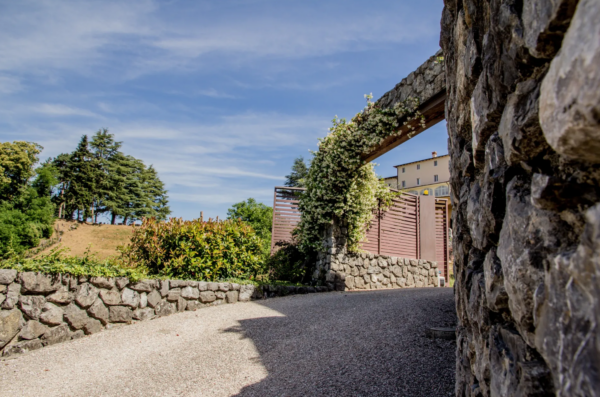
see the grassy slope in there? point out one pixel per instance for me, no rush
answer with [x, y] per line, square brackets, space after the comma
[104, 239]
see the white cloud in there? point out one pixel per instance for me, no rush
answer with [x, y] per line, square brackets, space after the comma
[62, 110]
[130, 39]
[9, 85]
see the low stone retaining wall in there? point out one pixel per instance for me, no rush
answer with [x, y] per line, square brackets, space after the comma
[352, 271]
[38, 309]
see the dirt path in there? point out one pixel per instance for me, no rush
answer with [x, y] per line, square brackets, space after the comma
[330, 344]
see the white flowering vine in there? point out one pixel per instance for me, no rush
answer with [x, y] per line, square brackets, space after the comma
[340, 184]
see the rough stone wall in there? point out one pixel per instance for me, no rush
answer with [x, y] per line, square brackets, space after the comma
[427, 81]
[523, 114]
[39, 309]
[346, 271]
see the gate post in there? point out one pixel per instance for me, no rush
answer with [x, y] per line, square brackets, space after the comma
[427, 227]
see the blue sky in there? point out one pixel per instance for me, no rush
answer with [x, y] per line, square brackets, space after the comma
[219, 96]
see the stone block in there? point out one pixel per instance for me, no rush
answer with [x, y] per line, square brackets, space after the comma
[165, 308]
[11, 323]
[32, 305]
[76, 317]
[570, 91]
[207, 296]
[143, 300]
[220, 295]
[143, 286]
[103, 282]
[213, 286]
[92, 326]
[235, 287]
[57, 334]
[22, 347]
[224, 287]
[51, 314]
[143, 314]
[7, 276]
[110, 297]
[193, 305]
[190, 292]
[120, 314]
[121, 282]
[181, 304]
[349, 282]
[203, 286]
[154, 298]
[86, 295]
[39, 282]
[232, 296]
[61, 296]
[2, 288]
[174, 295]
[99, 311]
[246, 292]
[130, 298]
[164, 288]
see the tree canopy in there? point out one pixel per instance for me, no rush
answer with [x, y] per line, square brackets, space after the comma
[26, 211]
[297, 178]
[97, 178]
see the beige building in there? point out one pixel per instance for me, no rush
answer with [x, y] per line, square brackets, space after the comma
[428, 177]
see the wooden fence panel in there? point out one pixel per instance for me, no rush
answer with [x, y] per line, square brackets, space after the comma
[442, 248]
[286, 214]
[394, 232]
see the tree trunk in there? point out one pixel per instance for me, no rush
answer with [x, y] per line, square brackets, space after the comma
[113, 218]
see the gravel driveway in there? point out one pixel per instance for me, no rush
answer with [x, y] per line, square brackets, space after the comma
[328, 344]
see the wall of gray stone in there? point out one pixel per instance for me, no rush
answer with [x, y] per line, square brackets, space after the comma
[424, 83]
[523, 106]
[38, 310]
[341, 270]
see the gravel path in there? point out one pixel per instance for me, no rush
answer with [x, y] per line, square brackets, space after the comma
[328, 344]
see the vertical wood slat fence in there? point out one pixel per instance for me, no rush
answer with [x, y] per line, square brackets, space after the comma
[286, 214]
[394, 232]
[442, 243]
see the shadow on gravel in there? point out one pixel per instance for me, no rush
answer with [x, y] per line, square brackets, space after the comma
[354, 344]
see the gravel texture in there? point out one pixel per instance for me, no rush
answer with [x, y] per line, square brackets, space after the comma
[329, 344]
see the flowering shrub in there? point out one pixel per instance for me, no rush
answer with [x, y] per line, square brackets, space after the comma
[195, 250]
[340, 184]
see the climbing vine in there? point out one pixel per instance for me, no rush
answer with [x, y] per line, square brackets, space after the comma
[340, 184]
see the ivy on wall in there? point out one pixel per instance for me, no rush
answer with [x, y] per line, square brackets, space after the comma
[341, 185]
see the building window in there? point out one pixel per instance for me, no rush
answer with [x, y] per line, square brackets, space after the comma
[435, 163]
[435, 178]
[403, 170]
[418, 181]
[418, 166]
[442, 191]
[415, 192]
[403, 183]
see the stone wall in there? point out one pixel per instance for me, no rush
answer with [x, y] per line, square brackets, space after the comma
[523, 114]
[341, 270]
[37, 309]
[424, 83]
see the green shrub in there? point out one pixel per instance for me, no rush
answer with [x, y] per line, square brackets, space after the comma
[290, 263]
[195, 249]
[24, 221]
[88, 265]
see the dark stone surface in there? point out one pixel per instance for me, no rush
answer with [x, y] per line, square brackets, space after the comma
[526, 222]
